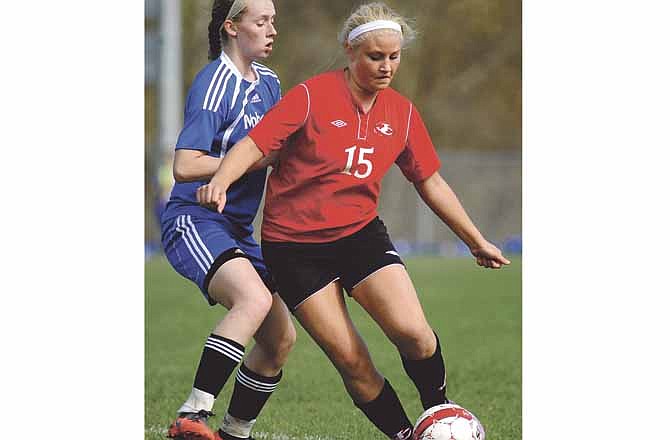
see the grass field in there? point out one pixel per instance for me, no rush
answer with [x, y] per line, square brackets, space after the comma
[476, 312]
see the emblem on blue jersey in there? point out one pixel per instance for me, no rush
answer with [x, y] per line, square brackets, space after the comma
[255, 99]
[384, 129]
[250, 121]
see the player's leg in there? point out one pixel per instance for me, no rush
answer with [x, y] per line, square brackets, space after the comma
[260, 373]
[237, 286]
[375, 277]
[306, 276]
[204, 252]
[391, 300]
[324, 316]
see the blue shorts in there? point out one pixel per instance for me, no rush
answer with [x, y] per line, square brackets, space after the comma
[196, 248]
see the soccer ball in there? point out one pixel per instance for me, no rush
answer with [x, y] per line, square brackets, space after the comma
[448, 422]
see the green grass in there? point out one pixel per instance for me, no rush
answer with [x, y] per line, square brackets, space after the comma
[476, 312]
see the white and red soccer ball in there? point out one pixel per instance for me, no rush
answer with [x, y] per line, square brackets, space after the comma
[448, 422]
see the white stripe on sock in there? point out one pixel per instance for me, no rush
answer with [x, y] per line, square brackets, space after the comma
[225, 344]
[227, 349]
[224, 352]
[254, 384]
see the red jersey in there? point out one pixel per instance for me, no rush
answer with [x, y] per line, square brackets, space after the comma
[333, 158]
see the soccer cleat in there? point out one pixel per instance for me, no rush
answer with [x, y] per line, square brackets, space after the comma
[192, 426]
[220, 435]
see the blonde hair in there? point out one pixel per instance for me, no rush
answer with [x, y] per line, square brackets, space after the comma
[370, 12]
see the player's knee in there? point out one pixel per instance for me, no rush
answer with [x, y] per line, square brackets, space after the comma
[416, 343]
[256, 305]
[354, 364]
[286, 342]
[279, 347]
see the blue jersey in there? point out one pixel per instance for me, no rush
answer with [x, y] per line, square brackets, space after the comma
[220, 110]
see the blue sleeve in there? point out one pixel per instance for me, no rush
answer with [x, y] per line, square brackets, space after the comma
[200, 128]
[202, 122]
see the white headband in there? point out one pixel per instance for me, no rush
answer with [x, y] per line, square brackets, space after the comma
[236, 8]
[373, 26]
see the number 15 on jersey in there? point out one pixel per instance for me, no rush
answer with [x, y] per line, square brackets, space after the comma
[351, 153]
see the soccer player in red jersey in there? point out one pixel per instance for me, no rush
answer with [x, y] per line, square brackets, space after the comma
[337, 135]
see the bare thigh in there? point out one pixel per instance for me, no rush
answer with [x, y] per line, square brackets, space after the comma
[325, 317]
[389, 297]
[237, 286]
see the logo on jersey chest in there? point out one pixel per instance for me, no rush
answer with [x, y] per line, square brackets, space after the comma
[250, 121]
[383, 128]
[256, 98]
[339, 123]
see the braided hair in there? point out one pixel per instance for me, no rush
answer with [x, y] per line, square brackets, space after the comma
[216, 33]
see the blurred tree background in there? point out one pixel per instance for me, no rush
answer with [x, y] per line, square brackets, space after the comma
[463, 72]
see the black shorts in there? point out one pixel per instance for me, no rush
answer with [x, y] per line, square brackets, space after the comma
[302, 269]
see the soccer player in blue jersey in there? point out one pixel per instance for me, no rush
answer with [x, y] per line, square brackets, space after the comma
[217, 251]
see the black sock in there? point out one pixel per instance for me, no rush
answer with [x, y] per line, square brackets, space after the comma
[250, 393]
[429, 377]
[219, 358]
[387, 414]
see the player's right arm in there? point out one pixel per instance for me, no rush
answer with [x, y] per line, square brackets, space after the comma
[191, 165]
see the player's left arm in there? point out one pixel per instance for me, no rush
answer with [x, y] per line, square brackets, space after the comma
[439, 196]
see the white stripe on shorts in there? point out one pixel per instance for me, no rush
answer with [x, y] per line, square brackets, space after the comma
[197, 236]
[370, 274]
[188, 229]
[183, 233]
[254, 384]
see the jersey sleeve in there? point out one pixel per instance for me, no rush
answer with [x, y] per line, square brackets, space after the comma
[419, 160]
[201, 124]
[284, 119]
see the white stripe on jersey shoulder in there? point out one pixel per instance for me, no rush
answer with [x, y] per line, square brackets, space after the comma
[219, 72]
[223, 91]
[228, 62]
[219, 91]
[261, 70]
[264, 70]
[309, 102]
[225, 59]
[409, 119]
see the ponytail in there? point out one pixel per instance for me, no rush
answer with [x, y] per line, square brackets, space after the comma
[216, 34]
[219, 12]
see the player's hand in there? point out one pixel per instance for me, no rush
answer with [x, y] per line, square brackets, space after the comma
[488, 255]
[212, 196]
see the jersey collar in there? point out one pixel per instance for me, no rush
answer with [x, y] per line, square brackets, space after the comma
[350, 94]
[229, 63]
